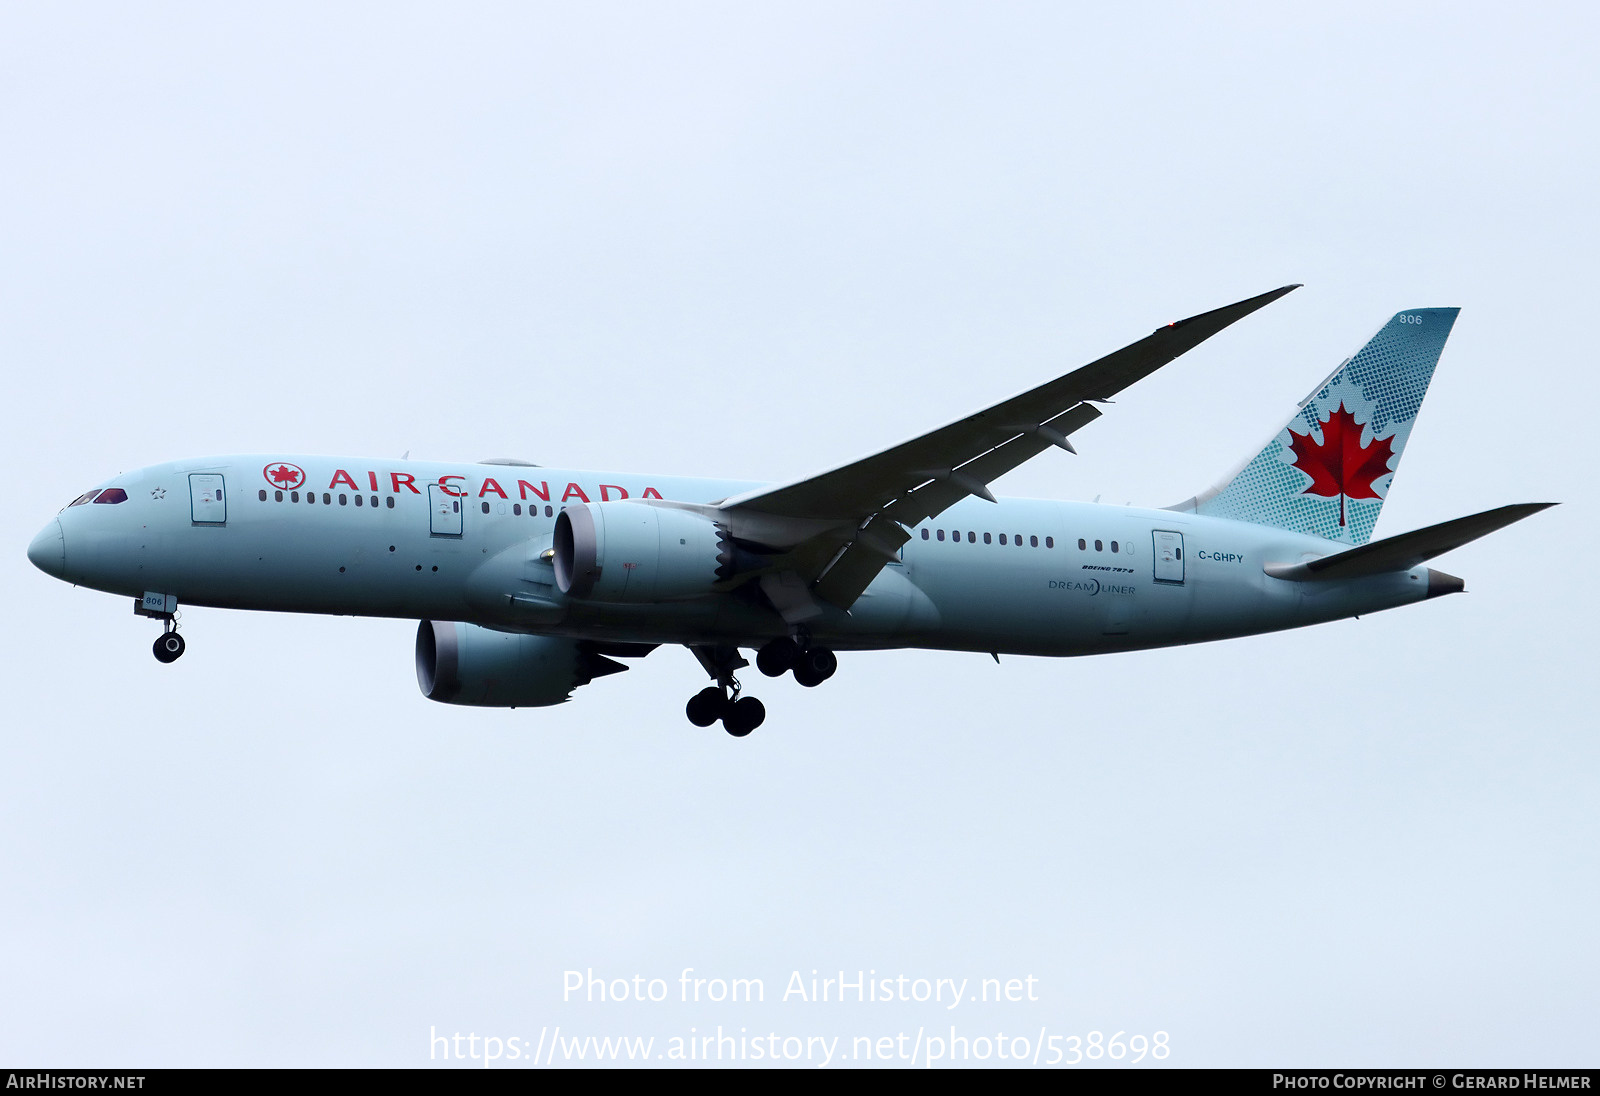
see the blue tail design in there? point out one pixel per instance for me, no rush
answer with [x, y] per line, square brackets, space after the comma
[1329, 469]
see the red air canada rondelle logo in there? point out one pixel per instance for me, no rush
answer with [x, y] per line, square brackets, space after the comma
[285, 477]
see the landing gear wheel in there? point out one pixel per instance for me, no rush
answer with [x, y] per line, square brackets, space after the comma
[777, 657]
[743, 716]
[704, 708]
[816, 665]
[821, 662]
[168, 647]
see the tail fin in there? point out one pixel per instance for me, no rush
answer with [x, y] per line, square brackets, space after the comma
[1328, 470]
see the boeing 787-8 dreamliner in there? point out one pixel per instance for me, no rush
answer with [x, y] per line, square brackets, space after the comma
[531, 581]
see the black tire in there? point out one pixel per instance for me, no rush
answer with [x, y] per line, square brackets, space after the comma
[805, 675]
[168, 647]
[821, 662]
[705, 707]
[777, 657]
[743, 716]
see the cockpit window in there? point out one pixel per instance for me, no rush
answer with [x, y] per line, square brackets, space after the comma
[112, 495]
[83, 498]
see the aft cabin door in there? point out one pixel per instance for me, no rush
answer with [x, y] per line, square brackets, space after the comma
[207, 504]
[1169, 557]
[444, 512]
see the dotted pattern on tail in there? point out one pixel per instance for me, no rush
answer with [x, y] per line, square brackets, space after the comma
[1383, 385]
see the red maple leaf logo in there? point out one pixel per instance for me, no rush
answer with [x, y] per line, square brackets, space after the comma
[284, 475]
[1340, 465]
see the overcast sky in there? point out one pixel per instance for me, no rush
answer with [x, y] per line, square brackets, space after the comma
[755, 241]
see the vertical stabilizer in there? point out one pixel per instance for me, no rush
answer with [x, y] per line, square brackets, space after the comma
[1329, 469]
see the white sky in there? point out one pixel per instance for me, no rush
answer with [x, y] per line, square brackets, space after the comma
[757, 241]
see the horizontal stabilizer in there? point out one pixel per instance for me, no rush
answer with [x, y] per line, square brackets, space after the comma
[1407, 550]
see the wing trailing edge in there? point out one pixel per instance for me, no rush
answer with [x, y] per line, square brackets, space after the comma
[866, 507]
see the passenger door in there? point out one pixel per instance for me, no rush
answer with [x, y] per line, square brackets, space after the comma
[444, 512]
[1169, 557]
[207, 503]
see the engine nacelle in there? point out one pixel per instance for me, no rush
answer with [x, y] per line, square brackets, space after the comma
[631, 552]
[470, 664]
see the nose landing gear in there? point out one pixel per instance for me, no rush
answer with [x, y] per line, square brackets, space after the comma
[169, 645]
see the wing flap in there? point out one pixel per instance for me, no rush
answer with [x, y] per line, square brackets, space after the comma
[852, 571]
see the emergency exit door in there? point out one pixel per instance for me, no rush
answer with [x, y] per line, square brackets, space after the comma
[207, 503]
[1169, 557]
[444, 512]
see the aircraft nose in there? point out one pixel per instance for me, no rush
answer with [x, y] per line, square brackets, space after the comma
[48, 552]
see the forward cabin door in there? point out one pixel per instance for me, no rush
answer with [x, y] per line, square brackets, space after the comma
[1169, 557]
[207, 503]
[444, 512]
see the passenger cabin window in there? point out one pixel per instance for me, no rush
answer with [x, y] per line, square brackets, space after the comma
[1049, 542]
[390, 500]
[1033, 542]
[262, 494]
[1081, 544]
[986, 539]
[941, 534]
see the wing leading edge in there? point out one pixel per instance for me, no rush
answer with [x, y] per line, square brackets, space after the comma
[848, 522]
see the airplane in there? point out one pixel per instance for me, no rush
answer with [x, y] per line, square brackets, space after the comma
[529, 582]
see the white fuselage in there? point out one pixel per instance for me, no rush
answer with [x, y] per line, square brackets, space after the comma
[362, 537]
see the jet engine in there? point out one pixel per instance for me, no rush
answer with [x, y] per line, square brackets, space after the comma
[631, 552]
[469, 664]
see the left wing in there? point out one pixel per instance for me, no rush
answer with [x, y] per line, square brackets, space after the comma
[842, 526]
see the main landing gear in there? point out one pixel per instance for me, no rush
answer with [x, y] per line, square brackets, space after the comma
[739, 715]
[811, 665]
